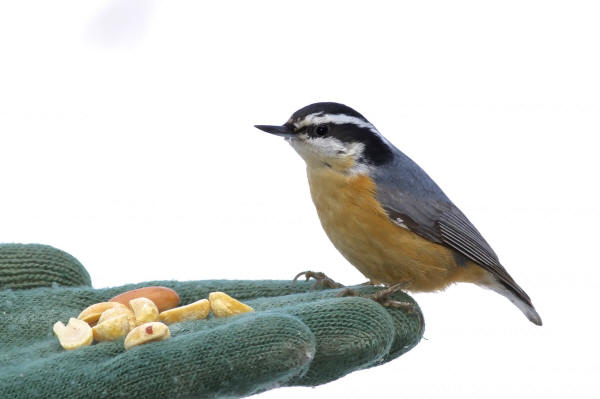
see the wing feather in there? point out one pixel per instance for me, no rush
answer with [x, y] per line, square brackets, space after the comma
[460, 234]
[405, 191]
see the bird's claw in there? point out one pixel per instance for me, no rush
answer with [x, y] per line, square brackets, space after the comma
[322, 281]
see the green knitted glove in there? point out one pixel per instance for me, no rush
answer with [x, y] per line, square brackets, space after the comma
[296, 336]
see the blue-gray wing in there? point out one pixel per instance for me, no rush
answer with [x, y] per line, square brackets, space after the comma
[411, 198]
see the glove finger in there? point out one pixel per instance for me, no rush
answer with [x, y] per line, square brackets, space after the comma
[409, 327]
[33, 265]
[236, 357]
[351, 333]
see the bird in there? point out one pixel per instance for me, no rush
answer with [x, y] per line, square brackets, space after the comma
[384, 213]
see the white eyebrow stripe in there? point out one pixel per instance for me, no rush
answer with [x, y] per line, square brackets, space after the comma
[337, 119]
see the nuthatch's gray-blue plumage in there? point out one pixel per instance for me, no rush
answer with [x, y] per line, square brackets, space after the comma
[384, 213]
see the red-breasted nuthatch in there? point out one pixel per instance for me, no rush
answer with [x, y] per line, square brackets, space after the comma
[384, 213]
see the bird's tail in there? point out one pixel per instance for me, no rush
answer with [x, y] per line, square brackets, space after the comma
[517, 296]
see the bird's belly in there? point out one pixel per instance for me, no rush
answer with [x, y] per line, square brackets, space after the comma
[381, 250]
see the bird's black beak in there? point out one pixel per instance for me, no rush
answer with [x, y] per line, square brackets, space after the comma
[283, 131]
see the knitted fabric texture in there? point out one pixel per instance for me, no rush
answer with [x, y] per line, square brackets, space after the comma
[296, 336]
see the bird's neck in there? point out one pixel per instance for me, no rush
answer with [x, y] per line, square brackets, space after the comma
[326, 183]
[345, 167]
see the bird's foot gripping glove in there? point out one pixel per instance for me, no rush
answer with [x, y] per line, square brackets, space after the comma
[295, 336]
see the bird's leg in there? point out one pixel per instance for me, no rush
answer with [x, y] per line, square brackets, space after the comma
[351, 292]
[322, 281]
[381, 296]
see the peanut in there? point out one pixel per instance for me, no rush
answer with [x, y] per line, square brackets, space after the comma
[111, 329]
[223, 305]
[164, 298]
[117, 311]
[92, 313]
[147, 332]
[196, 310]
[145, 310]
[75, 334]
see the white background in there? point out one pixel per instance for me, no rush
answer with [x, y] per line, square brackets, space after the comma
[126, 139]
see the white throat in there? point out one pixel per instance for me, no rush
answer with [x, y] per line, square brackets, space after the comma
[327, 152]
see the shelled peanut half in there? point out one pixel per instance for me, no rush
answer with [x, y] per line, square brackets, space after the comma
[195, 310]
[142, 316]
[222, 305]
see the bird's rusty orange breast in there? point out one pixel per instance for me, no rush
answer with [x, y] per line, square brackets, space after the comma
[383, 251]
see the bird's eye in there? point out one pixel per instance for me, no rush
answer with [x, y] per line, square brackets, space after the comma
[321, 130]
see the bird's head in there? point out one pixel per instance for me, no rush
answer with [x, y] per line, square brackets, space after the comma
[332, 135]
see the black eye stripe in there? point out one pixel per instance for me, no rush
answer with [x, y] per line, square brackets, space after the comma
[376, 151]
[321, 130]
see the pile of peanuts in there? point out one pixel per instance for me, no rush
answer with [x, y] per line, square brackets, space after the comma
[142, 315]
